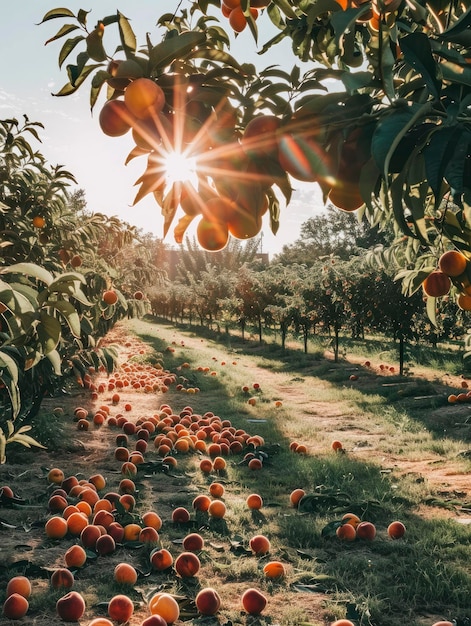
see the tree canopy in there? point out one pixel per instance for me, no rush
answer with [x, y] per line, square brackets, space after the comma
[393, 143]
[333, 233]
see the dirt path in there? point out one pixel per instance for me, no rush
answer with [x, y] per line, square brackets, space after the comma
[323, 420]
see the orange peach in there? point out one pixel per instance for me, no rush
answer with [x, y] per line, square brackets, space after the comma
[62, 578]
[187, 564]
[253, 601]
[208, 601]
[125, 574]
[165, 605]
[260, 544]
[75, 556]
[20, 585]
[70, 607]
[120, 608]
[105, 545]
[180, 515]
[193, 542]
[161, 559]
[15, 606]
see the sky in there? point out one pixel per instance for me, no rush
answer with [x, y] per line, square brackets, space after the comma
[72, 137]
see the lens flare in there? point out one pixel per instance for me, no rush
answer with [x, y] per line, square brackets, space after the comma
[179, 167]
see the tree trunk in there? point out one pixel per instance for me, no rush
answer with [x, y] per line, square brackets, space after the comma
[305, 338]
[284, 332]
[260, 329]
[401, 355]
[336, 344]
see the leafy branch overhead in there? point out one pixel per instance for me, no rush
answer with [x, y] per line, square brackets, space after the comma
[393, 141]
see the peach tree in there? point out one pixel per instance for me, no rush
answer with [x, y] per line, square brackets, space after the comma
[391, 142]
[52, 306]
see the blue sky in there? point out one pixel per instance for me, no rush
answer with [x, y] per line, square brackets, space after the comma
[72, 138]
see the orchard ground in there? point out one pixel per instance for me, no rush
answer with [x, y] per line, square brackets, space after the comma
[418, 443]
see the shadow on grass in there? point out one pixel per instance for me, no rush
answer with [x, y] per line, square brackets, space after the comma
[423, 401]
[427, 570]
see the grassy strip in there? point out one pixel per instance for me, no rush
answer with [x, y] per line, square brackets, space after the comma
[383, 580]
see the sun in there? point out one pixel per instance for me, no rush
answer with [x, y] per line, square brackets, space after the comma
[179, 167]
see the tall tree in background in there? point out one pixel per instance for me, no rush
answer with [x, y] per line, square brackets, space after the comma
[333, 233]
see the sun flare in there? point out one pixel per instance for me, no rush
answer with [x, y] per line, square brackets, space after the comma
[179, 167]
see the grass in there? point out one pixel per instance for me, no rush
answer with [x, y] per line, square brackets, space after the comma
[380, 582]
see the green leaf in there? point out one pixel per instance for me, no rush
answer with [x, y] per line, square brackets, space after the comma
[317, 9]
[432, 310]
[98, 81]
[110, 360]
[169, 208]
[175, 47]
[79, 295]
[15, 301]
[30, 269]
[330, 529]
[455, 73]
[67, 90]
[68, 277]
[397, 189]
[391, 129]
[417, 195]
[418, 53]
[460, 31]
[68, 311]
[82, 17]
[9, 377]
[54, 13]
[437, 154]
[25, 440]
[55, 358]
[68, 284]
[95, 49]
[80, 78]
[455, 167]
[343, 22]
[65, 30]
[49, 332]
[354, 81]
[180, 228]
[29, 292]
[218, 34]
[217, 56]
[251, 22]
[274, 211]
[285, 7]
[68, 47]
[72, 87]
[127, 36]
[111, 19]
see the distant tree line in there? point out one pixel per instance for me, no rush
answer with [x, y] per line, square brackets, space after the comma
[322, 284]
